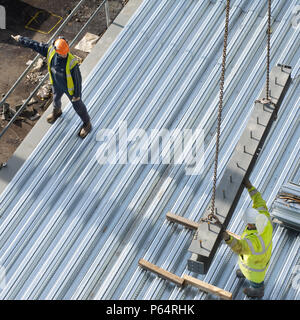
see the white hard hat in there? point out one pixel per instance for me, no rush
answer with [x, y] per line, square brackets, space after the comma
[261, 222]
[254, 217]
[249, 215]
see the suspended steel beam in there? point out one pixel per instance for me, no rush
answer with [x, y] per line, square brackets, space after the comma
[229, 189]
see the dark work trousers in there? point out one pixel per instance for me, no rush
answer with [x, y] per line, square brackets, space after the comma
[78, 106]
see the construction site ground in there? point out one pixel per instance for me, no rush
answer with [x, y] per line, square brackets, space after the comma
[13, 58]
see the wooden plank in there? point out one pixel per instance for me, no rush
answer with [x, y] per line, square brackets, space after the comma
[181, 220]
[161, 272]
[191, 224]
[209, 288]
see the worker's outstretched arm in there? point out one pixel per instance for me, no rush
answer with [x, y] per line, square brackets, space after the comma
[236, 245]
[39, 47]
[255, 195]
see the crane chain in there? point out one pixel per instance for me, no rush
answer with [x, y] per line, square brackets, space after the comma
[222, 80]
[267, 99]
[220, 108]
[268, 52]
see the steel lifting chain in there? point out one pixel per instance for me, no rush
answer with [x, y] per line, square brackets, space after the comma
[268, 51]
[267, 99]
[222, 80]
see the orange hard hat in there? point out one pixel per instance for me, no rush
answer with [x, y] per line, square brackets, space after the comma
[61, 46]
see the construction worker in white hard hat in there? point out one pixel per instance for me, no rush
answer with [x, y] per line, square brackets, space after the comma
[255, 246]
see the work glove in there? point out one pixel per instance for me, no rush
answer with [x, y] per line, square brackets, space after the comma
[74, 99]
[16, 38]
[247, 183]
[225, 235]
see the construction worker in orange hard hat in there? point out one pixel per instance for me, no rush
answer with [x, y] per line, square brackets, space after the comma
[61, 47]
[65, 77]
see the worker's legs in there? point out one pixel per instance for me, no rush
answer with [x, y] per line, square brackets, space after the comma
[81, 110]
[256, 290]
[257, 285]
[57, 95]
[239, 274]
[56, 113]
[78, 106]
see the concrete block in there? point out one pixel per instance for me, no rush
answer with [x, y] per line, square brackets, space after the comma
[87, 43]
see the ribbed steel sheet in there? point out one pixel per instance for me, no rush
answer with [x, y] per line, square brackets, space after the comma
[74, 229]
[286, 211]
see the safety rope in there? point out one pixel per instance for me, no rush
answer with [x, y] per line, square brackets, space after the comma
[222, 80]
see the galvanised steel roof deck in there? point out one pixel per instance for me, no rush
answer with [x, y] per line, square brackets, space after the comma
[72, 228]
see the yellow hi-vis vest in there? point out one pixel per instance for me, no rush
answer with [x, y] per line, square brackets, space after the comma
[71, 63]
[254, 249]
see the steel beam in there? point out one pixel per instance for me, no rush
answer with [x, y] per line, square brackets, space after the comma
[229, 189]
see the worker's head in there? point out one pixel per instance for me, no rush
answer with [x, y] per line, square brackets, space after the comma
[61, 47]
[255, 220]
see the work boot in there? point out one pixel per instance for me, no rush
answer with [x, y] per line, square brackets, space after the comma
[255, 292]
[84, 130]
[239, 274]
[56, 113]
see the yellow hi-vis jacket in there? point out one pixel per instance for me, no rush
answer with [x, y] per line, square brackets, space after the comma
[254, 249]
[71, 63]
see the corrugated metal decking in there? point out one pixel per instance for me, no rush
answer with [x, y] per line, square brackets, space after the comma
[74, 229]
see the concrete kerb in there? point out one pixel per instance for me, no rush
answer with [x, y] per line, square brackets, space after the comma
[41, 127]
